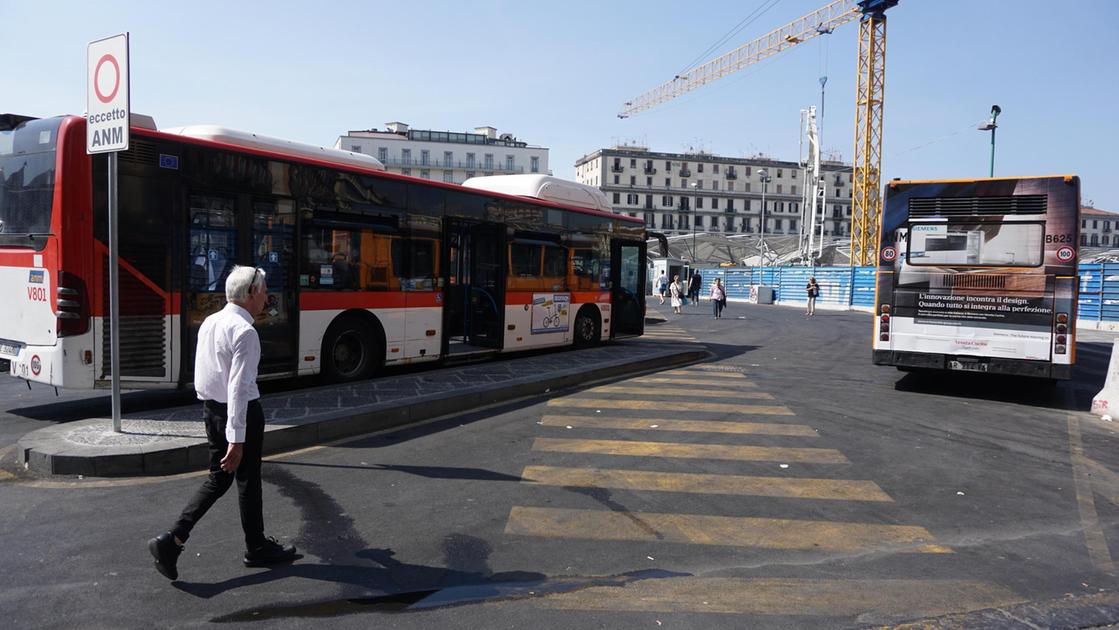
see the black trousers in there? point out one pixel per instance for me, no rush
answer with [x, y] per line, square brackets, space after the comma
[247, 475]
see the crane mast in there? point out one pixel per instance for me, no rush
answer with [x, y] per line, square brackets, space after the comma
[866, 190]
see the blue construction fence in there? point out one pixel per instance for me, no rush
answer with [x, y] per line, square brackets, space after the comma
[853, 288]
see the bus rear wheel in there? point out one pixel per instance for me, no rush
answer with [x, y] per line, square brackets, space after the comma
[586, 328]
[349, 351]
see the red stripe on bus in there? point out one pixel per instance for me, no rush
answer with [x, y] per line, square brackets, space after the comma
[517, 298]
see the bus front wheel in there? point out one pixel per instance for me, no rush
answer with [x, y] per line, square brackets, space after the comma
[350, 351]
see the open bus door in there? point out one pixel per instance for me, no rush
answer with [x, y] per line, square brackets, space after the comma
[627, 275]
[474, 287]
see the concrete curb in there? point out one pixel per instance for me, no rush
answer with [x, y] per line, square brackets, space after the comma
[47, 451]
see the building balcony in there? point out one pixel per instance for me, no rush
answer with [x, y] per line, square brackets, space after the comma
[730, 173]
[649, 170]
[685, 172]
[617, 168]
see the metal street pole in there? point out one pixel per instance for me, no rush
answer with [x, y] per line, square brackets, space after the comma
[991, 125]
[993, 128]
[114, 291]
[695, 215]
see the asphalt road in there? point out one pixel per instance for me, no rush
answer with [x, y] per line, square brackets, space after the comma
[787, 482]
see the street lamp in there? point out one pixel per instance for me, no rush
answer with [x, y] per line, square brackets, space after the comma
[695, 210]
[991, 126]
[765, 178]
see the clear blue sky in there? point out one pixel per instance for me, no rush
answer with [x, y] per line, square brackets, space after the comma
[555, 74]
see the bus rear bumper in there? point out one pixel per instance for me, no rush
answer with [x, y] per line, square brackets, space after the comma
[990, 365]
[47, 364]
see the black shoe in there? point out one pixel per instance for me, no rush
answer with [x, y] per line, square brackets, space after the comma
[166, 553]
[271, 552]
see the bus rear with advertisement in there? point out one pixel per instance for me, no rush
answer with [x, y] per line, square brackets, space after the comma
[979, 275]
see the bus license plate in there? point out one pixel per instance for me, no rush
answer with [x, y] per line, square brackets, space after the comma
[9, 350]
[967, 366]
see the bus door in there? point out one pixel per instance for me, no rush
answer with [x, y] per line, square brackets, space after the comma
[474, 287]
[222, 235]
[627, 275]
[273, 250]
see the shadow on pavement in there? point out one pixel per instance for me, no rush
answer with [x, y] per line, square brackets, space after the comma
[1072, 395]
[429, 472]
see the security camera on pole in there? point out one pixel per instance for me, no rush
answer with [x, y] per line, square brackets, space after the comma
[107, 124]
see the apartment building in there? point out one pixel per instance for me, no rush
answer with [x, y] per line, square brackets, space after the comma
[725, 193]
[446, 156]
[1098, 228]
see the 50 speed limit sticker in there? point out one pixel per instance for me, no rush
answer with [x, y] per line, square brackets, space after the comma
[889, 254]
[1065, 254]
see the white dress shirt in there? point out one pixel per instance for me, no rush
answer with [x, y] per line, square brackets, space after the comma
[225, 365]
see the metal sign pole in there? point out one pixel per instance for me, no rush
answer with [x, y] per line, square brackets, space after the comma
[114, 291]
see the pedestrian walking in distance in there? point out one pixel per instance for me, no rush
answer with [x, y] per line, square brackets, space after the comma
[662, 285]
[694, 286]
[677, 291]
[718, 297]
[225, 366]
[813, 290]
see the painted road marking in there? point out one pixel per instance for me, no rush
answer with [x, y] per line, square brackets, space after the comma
[690, 381]
[695, 426]
[731, 531]
[1094, 538]
[789, 596]
[690, 451]
[704, 373]
[725, 392]
[668, 405]
[796, 488]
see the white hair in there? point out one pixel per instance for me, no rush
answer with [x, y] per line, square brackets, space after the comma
[237, 285]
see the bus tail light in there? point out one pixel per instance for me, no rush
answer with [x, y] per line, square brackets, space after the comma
[884, 309]
[884, 336]
[71, 305]
[1062, 318]
[1062, 328]
[1059, 349]
[1061, 339]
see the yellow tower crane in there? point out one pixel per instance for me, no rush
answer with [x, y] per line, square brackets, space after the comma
[866, 190]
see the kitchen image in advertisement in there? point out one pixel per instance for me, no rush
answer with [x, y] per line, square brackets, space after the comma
[549, 312]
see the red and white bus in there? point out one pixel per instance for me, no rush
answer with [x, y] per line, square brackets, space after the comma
[365, 268]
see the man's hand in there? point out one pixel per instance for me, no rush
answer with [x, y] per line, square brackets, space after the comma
[232, 458]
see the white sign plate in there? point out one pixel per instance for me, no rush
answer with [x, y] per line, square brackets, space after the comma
[107, 104]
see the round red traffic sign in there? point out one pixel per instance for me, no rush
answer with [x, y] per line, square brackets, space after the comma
[889, 254]
[36, 365]
[1065, 254]
[97, 78]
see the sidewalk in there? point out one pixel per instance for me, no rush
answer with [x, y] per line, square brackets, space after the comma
[172, 440]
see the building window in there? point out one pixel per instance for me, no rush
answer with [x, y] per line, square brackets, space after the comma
[508, 162]
[383, 154]
[668, 165]
[683, 183]
[632, 163]
[666, 201]
[470, 174]
[699, 221]
[792, 190]
[425, 157]
[715, 169]
[699, 184]
[649, 182]
[792, 225]
[699, 167]
[715, 203]
[617, 179]
[668, 182]
[617, 197]
[488, 161]
[406, 156]
[632, 180]
[778, 187]
[699, 203]
[535, 164]
[730, 205]
[448, 159]
[426, 174]
[715, 185]
[631, 200]
[356, 148]
[405, 171]
[747, 171]
[779, 172]
[747, 185]
[448, 176]
[469, 160]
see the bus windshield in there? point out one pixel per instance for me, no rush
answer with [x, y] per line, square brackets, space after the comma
[27, 170]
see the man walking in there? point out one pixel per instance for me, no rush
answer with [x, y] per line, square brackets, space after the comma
[225, 365]
[662, 285]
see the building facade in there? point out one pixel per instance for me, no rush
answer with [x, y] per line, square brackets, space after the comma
[1098, 228]
[446, 156]
[725, 193]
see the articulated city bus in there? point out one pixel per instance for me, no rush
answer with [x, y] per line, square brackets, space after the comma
[364, 268]
[979, 275]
